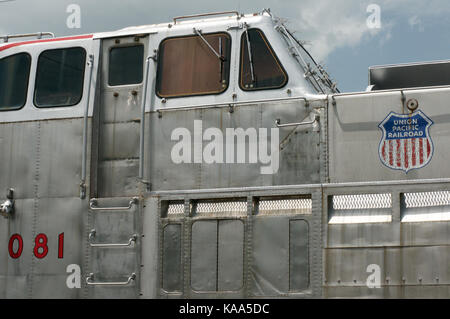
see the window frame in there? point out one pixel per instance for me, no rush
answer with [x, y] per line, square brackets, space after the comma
[227, 76]
[274, 55]
[28, 82]
[83, 77]
[126, 45]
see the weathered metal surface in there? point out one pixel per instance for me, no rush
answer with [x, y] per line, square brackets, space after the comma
[298, 160]
[204, 256]
[119, 126]
[411, 257]
[172, 268]
[354, 135]
[17, 170]
[230, 261]
[115, 264]
[330, 210]
[243, 256]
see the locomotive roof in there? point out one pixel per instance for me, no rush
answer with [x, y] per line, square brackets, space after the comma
[223, 21]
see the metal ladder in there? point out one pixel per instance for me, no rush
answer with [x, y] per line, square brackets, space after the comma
[93, 207]
[38, 35]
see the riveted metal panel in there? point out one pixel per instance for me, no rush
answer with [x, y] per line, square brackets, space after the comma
[17, 273]
[299, 160]
[118, 177]
[119, 141]
[51, 217]
[14, 287]
[229, 175]
[164, 173]
[61, 215]
[204, 256]
[426, 265]
[119, 127]
[426, 292]
[299, 146]
[105, 292]
[171, 258]
[305, 208]
[298, 255]
[363, 235]
[150, 251]
[125, 107]
[114, 226]
[425, 233]
[270, 268]
[354, 135]
[115, 264]
[53, 286]
[112, 263]
[315, 247]
[60, 158]
[4, 241]
[18, 153]
[230, 255]
[402, 272]
[345, 266]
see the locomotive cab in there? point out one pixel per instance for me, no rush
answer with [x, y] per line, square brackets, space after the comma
[211, 157]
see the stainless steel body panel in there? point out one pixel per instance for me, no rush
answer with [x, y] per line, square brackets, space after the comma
[354, 135]
[119, 124]
[327, 221]
[46, 202]
[299, 160]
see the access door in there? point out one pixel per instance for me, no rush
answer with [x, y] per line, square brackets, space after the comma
[123, 63]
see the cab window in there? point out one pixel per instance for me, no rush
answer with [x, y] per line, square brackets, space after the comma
[260, 67]
[14, 75]
[60, 77]
[126, 65]
[193, 65]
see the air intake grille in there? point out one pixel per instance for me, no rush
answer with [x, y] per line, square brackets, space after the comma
[430, 199]
[285, 206]
[366, 201]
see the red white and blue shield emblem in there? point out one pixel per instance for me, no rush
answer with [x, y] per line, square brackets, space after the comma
[406, 143]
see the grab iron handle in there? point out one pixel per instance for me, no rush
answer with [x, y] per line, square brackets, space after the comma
[7, 207]
[93, 205]
[316, 119]
[130, 241]
[90, 282]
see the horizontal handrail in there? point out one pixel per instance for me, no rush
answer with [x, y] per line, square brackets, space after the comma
[93, 205]
[242, 103]
[90, 277]
[278, 122]
[38, 35]
[93, 232]
[204, 15]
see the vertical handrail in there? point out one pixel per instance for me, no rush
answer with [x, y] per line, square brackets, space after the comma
[142, 131]
[85, 125]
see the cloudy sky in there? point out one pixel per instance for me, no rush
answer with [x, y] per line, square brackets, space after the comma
[336, 31]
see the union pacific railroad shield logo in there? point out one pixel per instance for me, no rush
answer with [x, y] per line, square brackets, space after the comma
[406, 143]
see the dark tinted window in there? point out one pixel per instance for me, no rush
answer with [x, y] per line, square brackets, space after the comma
[188, 66]
[14, 74]
[126, 65]
[60, 77]
[267, 70]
